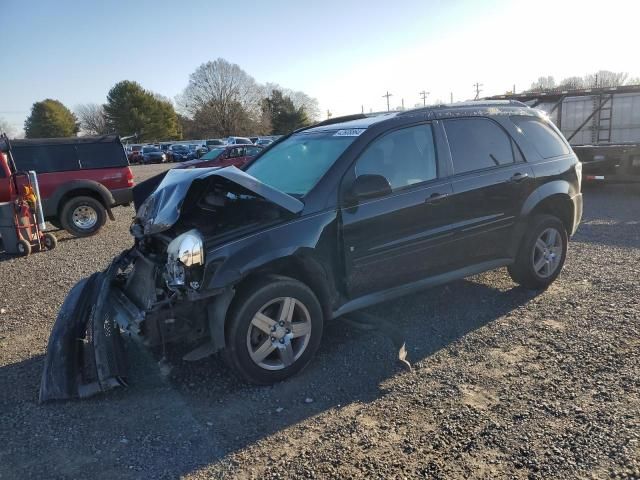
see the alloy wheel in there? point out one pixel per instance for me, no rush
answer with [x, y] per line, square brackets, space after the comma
[547, 253]
[279, 333]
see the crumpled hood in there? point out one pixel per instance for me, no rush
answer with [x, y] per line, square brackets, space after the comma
[162, 208]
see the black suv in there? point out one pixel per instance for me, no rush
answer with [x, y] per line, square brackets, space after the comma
[328, 220]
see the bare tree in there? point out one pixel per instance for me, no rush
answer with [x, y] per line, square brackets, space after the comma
[6, 127]
[226, 93]
[92, 119]
[572, 83]
[543, 83]
[633, 81]
[605, 78]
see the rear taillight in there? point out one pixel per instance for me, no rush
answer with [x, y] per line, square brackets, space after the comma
[129, 177]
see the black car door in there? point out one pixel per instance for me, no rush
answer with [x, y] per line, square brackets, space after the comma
[399, 237]
[490, 183]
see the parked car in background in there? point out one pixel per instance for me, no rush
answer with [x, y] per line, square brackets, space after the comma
[134, 154]
[80, 179]
[178, 152]
[332, 219]
[238, 141]
[237, 155]
[263, 142]
[254, 139]
[153, 154]
[214, 142]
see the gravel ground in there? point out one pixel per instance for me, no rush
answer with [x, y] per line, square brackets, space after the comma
[505, 383]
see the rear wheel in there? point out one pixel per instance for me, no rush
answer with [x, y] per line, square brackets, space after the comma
[83, 216]
[542, 253]
[50, 241]
[274, 330]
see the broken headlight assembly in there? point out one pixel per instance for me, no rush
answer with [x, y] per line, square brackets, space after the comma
[185, 261]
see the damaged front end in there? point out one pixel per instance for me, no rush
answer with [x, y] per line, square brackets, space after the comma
[160, 290]
[85, 354]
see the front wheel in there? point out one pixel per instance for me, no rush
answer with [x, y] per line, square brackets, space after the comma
[83, 216]
[542, 253]
[274, 330]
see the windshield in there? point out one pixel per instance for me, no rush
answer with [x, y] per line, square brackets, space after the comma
[295, 165]
[213, 154]
[150, 149]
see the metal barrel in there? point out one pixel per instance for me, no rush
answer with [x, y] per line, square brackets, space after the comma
[39, 213]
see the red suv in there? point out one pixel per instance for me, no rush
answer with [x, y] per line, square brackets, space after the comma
[236, 155]
[80, 179]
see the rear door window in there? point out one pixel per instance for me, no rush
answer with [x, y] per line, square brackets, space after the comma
[545, 139]
[477, 143]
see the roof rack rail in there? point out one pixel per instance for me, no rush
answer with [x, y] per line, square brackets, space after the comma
[471, 103]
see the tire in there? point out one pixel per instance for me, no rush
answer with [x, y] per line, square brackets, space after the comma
[83, 216]
[50, 241]
[531, 254]
[286, 355]
[24, 248]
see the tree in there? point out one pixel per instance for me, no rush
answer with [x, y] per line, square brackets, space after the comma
[543, 83]
[131, 109]
[6, 127]
[572, 83]
[225, 97]
[285, 117]
[93, 120]
[605, 78]
[50, 119]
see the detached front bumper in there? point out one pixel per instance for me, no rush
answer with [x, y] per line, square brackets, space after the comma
[85, 353]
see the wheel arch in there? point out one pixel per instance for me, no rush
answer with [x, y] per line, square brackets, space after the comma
[76, 188]
[553, 198]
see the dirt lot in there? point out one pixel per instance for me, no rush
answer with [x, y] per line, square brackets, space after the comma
[505, 383]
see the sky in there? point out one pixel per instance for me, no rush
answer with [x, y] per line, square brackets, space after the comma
[345, 54]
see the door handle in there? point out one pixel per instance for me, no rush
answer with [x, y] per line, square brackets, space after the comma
[436, 198]
[518, 177]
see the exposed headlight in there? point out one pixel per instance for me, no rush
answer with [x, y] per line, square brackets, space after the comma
[185, 256]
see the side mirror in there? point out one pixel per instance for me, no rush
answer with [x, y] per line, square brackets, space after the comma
[370, 186]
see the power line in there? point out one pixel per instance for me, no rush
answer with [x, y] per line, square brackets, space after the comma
[387, 96]
[423, 95]
[478, 90]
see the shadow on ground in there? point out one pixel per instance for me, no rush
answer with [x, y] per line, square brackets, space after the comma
[199, 412]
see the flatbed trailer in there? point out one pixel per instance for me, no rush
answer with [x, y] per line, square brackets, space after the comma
[601, 124]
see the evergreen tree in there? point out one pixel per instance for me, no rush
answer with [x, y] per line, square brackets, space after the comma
[50, 119]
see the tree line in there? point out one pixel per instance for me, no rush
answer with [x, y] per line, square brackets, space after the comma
[599, 79]
[220, 100]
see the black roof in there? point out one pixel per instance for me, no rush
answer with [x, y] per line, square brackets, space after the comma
[27, 142]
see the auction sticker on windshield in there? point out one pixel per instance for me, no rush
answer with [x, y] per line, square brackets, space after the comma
[349, 132]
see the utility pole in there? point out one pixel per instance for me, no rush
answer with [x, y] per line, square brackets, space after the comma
[451, 97]
[423, 95]
[363, 109]
[387, 96]
[403, 104]
[478, 90]
[328, 114]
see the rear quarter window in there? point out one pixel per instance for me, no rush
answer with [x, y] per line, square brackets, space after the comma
[101, 155]
[544, 139]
